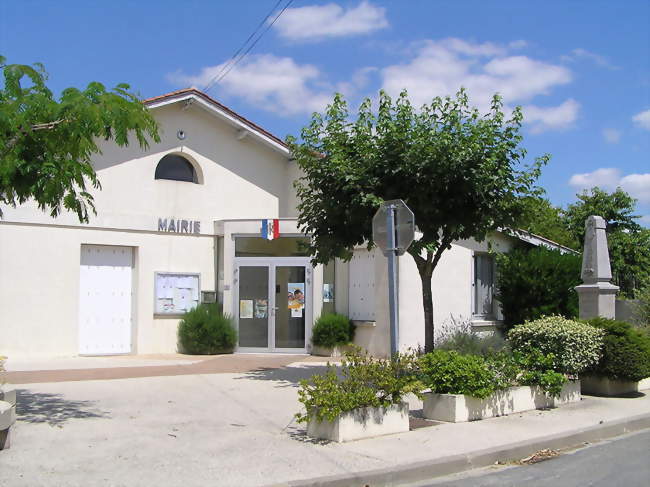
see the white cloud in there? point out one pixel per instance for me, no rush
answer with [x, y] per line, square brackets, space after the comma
[331, 20]
[643, 119]
[580, 53]
[276, 84]
[441, 67]
[605, 178]
[546, 118]
[637, 185]
[612, 136]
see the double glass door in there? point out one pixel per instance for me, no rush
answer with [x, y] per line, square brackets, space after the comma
[273, 303]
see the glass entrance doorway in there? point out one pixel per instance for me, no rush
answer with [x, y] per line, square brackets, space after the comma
[273, 303]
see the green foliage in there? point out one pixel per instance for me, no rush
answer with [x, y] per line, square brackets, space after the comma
[626, 351]
[461, 338]
[46, 145]
[206, 330]
[535, 282]
[460, 171]
[629, 243]
[542, 218]
[575, 346]
[360, 382]
[616, 208]
[448, 372]
[332, 329]
[538, 370]
[629, 255]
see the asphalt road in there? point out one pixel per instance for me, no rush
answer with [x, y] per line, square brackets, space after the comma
[624, 461]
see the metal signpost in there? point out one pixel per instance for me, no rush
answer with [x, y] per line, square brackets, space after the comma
[393, 230]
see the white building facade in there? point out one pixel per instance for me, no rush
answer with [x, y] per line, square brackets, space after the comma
[181, 223]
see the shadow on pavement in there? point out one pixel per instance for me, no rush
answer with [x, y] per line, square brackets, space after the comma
[286, 376]
[53, 409]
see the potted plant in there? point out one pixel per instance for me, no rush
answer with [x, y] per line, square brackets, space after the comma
[624, 366]
[332, 335]
[362, 398]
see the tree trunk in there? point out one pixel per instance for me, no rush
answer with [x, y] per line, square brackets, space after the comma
[427, 303]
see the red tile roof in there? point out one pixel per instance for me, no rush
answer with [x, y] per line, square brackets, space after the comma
[215, 103]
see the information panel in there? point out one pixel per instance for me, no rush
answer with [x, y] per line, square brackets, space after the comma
[176, 293]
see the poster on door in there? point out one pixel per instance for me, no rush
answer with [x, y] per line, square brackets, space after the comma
[296, 298]
[261, 308]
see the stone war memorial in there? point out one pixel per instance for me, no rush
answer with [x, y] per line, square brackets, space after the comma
[596, 295]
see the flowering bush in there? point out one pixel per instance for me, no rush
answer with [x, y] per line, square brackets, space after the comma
[575, 346]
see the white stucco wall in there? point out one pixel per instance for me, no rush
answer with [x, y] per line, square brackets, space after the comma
[239, 177]
[39, 285]
[451, 288]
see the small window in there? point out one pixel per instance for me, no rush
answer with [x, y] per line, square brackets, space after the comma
[483, 302]
[176, 168]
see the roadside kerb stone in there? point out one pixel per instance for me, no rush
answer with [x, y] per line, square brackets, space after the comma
[420, 471]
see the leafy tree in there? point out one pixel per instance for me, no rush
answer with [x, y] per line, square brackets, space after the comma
[459, 171]
[46, 144]
[542, 218]
[629, 243]
[616, 208]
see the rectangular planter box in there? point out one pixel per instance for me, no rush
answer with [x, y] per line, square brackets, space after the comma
[644, 385]
[602, 386]
[456, 408]
[362, 423]
[338, 351]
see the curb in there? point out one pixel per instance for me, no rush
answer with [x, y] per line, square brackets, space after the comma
[422, 471]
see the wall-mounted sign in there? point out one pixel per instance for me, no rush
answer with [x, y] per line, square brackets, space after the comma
[179, 226]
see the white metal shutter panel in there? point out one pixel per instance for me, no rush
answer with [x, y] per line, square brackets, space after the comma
[105, 284]
[362, 286]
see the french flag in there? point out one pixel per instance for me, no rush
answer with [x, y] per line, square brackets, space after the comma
[270, 229]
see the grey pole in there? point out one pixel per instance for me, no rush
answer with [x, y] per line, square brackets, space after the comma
[392, 280]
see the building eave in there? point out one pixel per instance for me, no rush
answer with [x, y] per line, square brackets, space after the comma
[242, 124]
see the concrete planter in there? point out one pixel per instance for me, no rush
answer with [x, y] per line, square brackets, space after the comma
[7, 414]
[603, 386]
[456, 408]
[362, 423]
[337, 351]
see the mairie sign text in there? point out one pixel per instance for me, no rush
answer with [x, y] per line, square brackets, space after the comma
[175, 225]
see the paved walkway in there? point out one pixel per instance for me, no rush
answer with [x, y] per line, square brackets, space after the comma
[127, 367]
[237, 429]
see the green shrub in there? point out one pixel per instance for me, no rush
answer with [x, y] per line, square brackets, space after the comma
[206, 330]
[575, 346]
[332, 329]
[626, 351]
[461, 338]
[536, 282]
[537, 370]
[360, 382]
[448, 372]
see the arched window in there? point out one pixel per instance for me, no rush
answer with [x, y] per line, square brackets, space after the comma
[176, 168]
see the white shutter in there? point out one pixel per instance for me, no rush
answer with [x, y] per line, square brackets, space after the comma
[105, 287]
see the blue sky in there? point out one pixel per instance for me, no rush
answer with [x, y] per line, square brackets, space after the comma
[580, 69]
